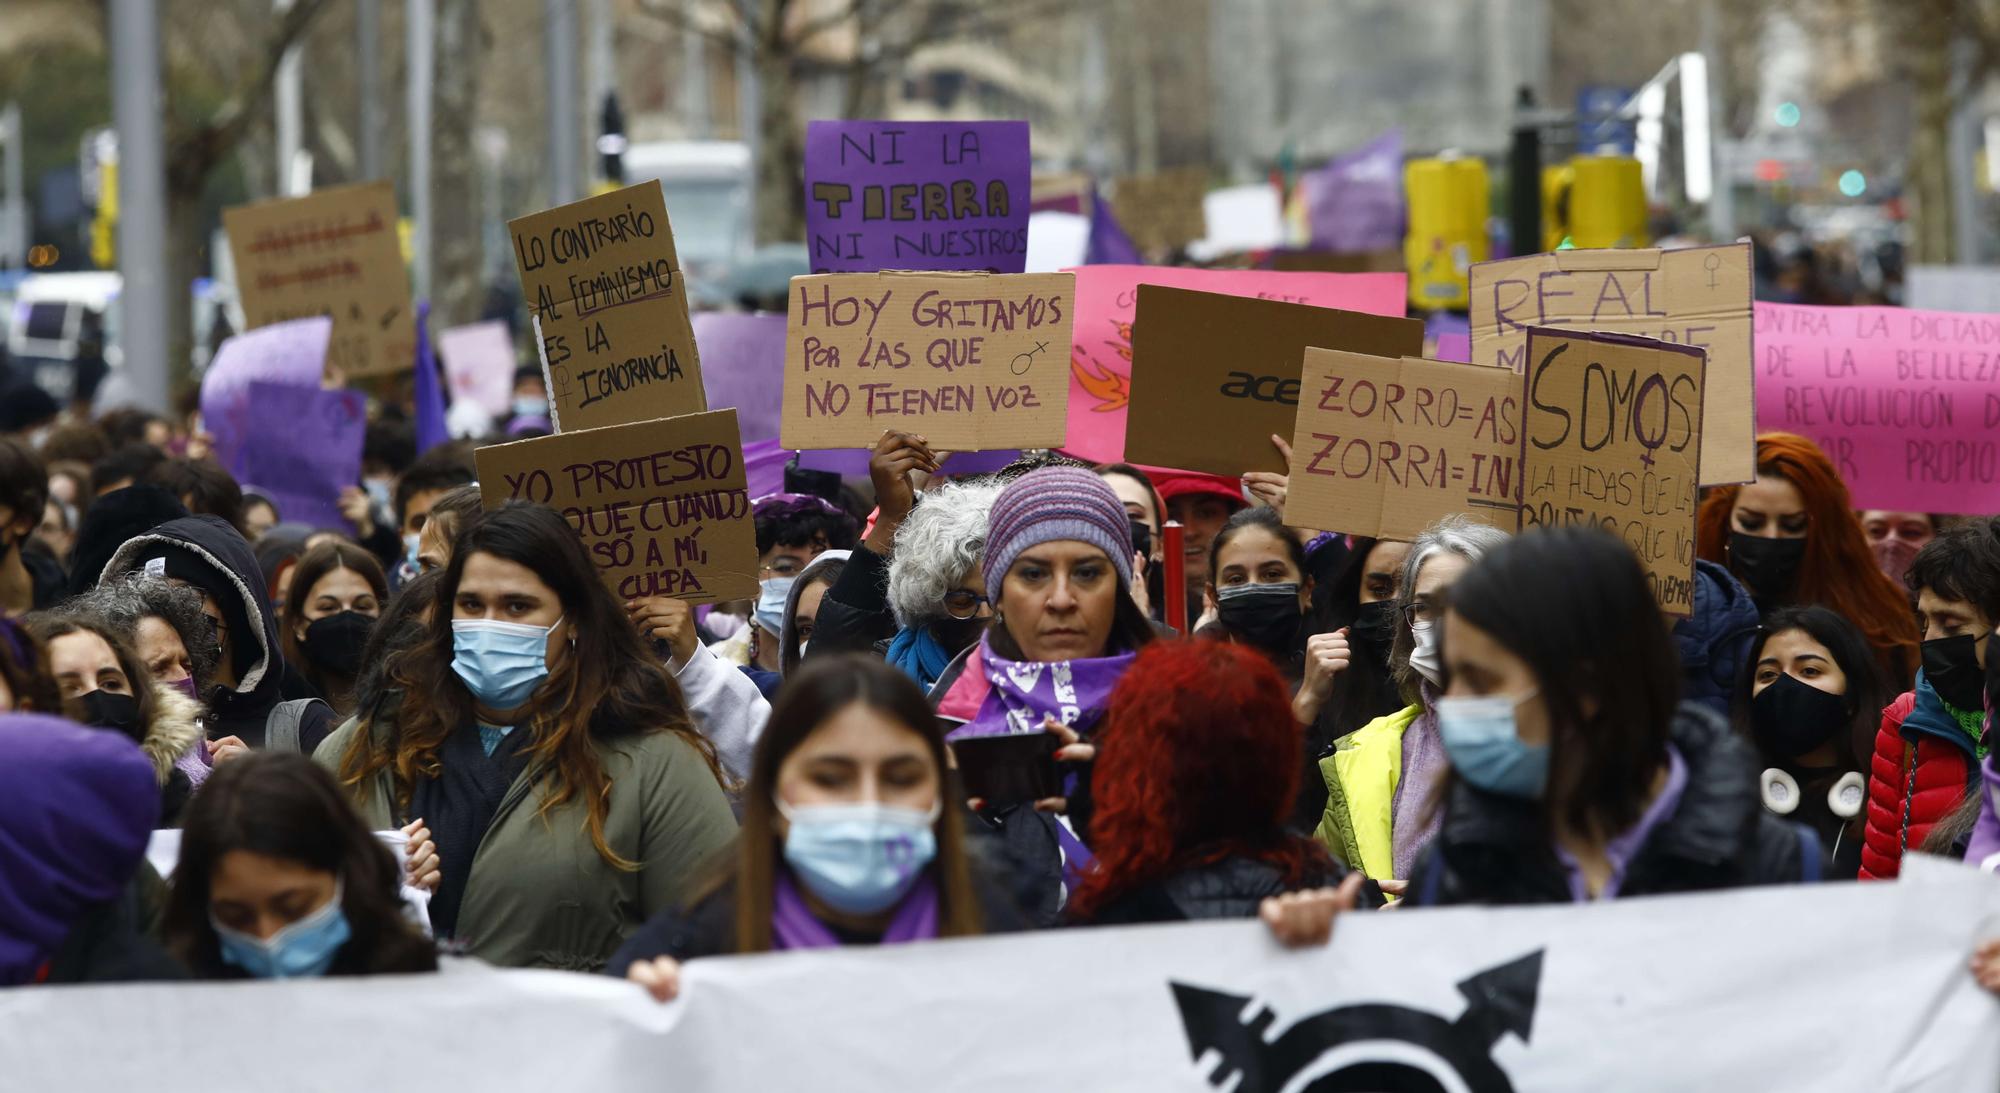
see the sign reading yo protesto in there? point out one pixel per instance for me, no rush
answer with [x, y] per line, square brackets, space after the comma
[942, 195]
[331, 253]
[971, 361]
[604, 286]
[662, 506]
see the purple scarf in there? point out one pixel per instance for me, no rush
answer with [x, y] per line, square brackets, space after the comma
[1074, 692]
[793, 925]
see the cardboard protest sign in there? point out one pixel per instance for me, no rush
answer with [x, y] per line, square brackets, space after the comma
[971, 360]
[604, 287]
[302, 447]
[479, 364]
[661, 505]
[943, 195]
[1385, 447]
[1162, 211]
[333, 252]
[1699, 296]
[1107, 303]
[1215, 376]
[1904, 402]
[1612, 438]
[292, 353]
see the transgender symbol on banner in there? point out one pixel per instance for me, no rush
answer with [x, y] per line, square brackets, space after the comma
[1370, 1046]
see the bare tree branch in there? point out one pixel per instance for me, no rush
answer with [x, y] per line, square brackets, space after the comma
[675, 13]
[192, 154]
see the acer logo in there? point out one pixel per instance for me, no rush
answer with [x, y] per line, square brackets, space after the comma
[1262, 388]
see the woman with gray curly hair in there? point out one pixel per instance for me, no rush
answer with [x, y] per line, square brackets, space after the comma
[1379, 778]
[163, 623]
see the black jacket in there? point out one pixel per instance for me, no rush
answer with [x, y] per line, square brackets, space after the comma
[1493, 849]
[854, 616]
[707, 926]
[112, 944]
[1230, 888]
[228, 572]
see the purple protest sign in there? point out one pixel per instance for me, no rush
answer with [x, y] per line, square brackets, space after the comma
[743, 365]
[930, 195]
[290, 353]
[303, 446]
[1354, 204]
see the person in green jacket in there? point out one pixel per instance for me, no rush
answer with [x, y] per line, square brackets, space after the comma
[1379, 777]
[549, 754]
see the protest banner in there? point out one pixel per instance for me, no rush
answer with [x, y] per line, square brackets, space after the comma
[1162, 211]
[661, 505]
[1214, 377]
[970, 360]
[1739, 990]
[479, 365]
[1952, 288]
[745, 358]
[1612, 438]
[603, 286]
[1904, 402]
[333, 252]
[301, 447]
[1385, 447]
[292, 353]
[1107, 303]
[937, 195]
[1698, 296]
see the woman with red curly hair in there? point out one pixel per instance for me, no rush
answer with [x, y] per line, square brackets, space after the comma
[1196, 769]
[1792, 537]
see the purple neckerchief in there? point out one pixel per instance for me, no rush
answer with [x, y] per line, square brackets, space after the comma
[1985, 841]
[794, 926]
[1025, 692]
[1621, 850]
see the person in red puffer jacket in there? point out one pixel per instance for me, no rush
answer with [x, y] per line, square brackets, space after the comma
[1931, 742]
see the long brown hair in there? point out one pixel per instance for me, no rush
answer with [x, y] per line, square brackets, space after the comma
[1838, 570]
[334, 554]
[608, 686]
[821, 689]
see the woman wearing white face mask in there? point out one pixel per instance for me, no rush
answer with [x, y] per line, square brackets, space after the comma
[847, 839]
[1577, 772]
[546, 749]
[1379, 777]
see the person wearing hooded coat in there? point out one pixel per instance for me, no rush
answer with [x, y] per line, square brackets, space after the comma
[1714, 640]
[109, 522]
[77, 807]
[257, 698]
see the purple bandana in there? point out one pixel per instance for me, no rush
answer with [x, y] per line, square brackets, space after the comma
[1074, 692]
[793, 925]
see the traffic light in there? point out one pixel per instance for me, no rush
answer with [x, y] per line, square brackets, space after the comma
[611, 140]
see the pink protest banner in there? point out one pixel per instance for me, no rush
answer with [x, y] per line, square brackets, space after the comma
[479, 364]
[1107, 298]
[1904, 402]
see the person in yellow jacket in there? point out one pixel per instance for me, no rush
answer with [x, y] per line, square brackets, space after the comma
[1379, 778]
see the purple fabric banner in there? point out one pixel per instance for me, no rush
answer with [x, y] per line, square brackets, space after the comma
[1109, 245]
[290, 353]
[303, 446]
[1354, 204]
[942, 195]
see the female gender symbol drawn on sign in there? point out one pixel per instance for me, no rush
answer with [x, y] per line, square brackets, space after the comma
[1639, 418]
[1024, 361]
[1712, 263]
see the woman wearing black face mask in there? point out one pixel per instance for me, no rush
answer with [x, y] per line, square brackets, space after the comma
[1791, 536]
[337, 594]
[1810, 701]
[104, 685]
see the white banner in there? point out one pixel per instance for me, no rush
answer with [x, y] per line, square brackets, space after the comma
[1839, 987]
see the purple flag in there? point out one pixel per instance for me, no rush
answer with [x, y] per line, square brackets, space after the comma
[1109, 245]
[303, 446]
[1354, 204]
[431, 430]
[943, 195]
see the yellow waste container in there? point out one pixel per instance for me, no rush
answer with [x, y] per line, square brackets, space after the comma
[1607, 202]
[1448, 210]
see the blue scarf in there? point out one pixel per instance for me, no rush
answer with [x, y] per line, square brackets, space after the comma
[919, 655]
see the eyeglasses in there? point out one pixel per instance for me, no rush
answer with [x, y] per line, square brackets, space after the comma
[1419, 614]
[963, 603]
[783, 567]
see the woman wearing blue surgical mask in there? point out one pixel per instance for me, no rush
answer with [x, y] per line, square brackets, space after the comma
[1577, 773]
[545, 748]
[847, 837]
[1379, 779]
[279, 879]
